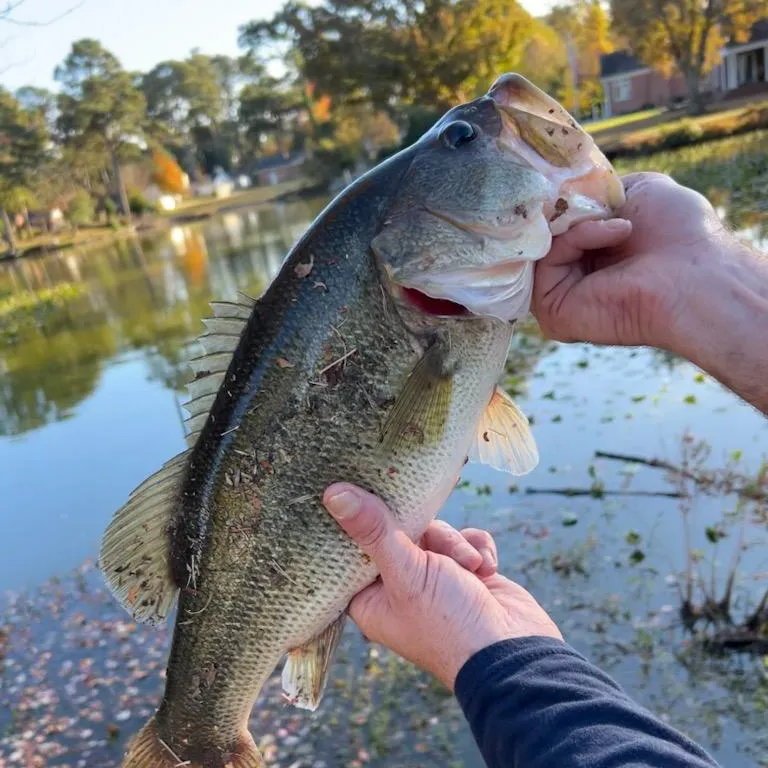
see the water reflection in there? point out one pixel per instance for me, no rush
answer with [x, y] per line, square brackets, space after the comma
[145, 294]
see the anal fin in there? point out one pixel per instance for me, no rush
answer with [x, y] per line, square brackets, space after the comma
[135, 555]
[504, 440]
[306, 670]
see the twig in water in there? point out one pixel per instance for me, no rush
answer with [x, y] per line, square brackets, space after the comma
[704, 480]
[599, 493]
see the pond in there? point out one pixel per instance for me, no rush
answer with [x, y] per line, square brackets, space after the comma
[92, 367]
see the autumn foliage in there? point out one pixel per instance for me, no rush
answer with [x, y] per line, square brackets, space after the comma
[167, 173]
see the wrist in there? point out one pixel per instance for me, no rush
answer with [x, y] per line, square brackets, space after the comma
[723, 303]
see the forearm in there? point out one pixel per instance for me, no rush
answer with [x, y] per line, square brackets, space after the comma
[723, 327]
[536, 702]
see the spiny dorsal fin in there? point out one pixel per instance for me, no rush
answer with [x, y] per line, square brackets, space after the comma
[135, 553]
[504, 440]
[223, 332]
[306, 670]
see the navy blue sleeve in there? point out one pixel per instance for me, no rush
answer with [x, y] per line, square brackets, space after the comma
[536, 702]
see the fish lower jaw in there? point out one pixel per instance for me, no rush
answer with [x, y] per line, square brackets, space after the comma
[572, 208]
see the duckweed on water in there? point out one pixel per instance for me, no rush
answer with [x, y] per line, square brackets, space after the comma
[731, 172]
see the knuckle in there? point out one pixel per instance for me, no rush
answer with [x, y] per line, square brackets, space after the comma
[479, 537]
[373, 533]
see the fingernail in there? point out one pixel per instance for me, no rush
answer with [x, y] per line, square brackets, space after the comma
[343, 503]
[617, 224]
[489, 558]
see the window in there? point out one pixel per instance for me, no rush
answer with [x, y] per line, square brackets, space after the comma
[622, 89]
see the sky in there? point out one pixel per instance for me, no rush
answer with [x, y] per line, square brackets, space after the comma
[140, 33]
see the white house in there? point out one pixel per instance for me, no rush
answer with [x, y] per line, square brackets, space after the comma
[745, 63]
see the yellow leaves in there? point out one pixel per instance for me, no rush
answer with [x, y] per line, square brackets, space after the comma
[167, 173]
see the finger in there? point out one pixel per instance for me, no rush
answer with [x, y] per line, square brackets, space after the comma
[444, 539]
[638, 178]
[587, 236]
[370, 610]
[368, 521]
[483, 542]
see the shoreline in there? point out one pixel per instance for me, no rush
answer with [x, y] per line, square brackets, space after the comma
[196, 210]
[643, 138]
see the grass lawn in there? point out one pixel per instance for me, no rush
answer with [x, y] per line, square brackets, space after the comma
[67, 238]
[240, 198]
[598, 126]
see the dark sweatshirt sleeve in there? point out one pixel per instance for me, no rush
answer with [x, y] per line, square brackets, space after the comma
[536, 702]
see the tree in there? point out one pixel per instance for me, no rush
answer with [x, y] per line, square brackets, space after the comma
[100, 108]
[684, 35]
[390, 52]
[167, 173]
[585, 32]
[272, 112]
[23, 152]
[193, 107]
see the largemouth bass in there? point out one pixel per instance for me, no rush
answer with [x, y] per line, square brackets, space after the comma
[373, 358]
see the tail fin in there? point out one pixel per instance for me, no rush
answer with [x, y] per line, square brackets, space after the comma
[148, 750]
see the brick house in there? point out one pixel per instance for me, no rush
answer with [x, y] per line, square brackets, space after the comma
[628, 85]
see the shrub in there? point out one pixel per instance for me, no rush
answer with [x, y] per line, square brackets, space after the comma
[80, 209]
[139, 204]
[680, 134]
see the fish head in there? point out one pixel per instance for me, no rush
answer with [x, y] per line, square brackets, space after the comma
[487, 189]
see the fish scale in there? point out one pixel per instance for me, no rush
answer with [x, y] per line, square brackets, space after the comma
[337, 373]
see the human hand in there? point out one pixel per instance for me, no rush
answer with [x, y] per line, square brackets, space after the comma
[627, 281]
[435, 606]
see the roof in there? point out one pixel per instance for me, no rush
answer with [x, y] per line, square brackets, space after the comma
[758, 33]
[619, 63]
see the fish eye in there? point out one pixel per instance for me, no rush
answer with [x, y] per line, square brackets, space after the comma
[458, 133]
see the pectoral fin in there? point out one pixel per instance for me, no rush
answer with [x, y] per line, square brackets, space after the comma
[420, 412]
[306, 671]
[504, 440]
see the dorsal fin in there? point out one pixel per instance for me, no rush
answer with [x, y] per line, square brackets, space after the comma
[218, 343]
[135, 555]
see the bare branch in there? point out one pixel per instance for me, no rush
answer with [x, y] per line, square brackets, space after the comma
[5, 15]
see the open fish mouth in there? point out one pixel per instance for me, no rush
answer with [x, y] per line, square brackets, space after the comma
[576, 183]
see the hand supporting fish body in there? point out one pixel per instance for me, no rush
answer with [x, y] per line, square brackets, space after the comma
[373, 357]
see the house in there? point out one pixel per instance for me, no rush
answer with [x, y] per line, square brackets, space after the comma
[46, 219]
[277, 169]
[628, 85]
[219, 185]
[745, 64]
[165, 201]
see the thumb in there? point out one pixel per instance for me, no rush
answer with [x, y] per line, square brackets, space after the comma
[587, 236]
[370, 524]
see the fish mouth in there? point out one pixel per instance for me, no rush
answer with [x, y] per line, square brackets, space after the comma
[431, 305]
[536, 129]
[579, 184]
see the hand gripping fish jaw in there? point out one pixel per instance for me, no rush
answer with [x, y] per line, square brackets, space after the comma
[489, 186]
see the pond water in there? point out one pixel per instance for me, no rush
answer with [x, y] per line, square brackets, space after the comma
[91, 381]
